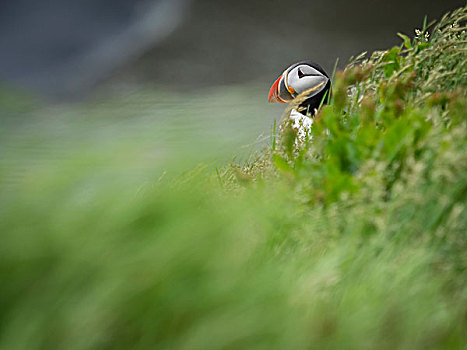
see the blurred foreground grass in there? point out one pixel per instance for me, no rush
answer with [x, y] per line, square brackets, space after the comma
[353, 240]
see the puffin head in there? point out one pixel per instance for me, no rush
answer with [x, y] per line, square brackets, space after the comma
[302, 77]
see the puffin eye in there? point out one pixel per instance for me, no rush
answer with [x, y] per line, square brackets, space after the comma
[300, 73]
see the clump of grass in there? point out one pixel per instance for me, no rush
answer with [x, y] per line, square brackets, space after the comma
[353, 239]
[387, 155]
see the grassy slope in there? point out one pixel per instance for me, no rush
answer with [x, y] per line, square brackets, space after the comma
[354, 240]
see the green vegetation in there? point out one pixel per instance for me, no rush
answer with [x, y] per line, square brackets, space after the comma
[354, 238]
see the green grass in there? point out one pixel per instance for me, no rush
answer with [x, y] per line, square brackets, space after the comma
[353, 239]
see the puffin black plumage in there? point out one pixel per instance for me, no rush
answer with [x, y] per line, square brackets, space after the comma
[302, 77]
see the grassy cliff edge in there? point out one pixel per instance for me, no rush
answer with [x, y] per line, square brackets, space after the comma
[354, 238]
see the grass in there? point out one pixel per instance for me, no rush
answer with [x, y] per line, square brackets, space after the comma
[353, 239]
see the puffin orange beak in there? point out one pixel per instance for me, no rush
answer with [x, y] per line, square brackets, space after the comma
[274, 92]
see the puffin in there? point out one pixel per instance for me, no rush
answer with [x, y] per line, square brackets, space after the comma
[302, 77]
[308, 80]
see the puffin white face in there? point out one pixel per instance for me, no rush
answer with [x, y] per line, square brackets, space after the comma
[295, 80]
[305, 78]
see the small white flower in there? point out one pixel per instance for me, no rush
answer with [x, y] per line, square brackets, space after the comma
[301, 124]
